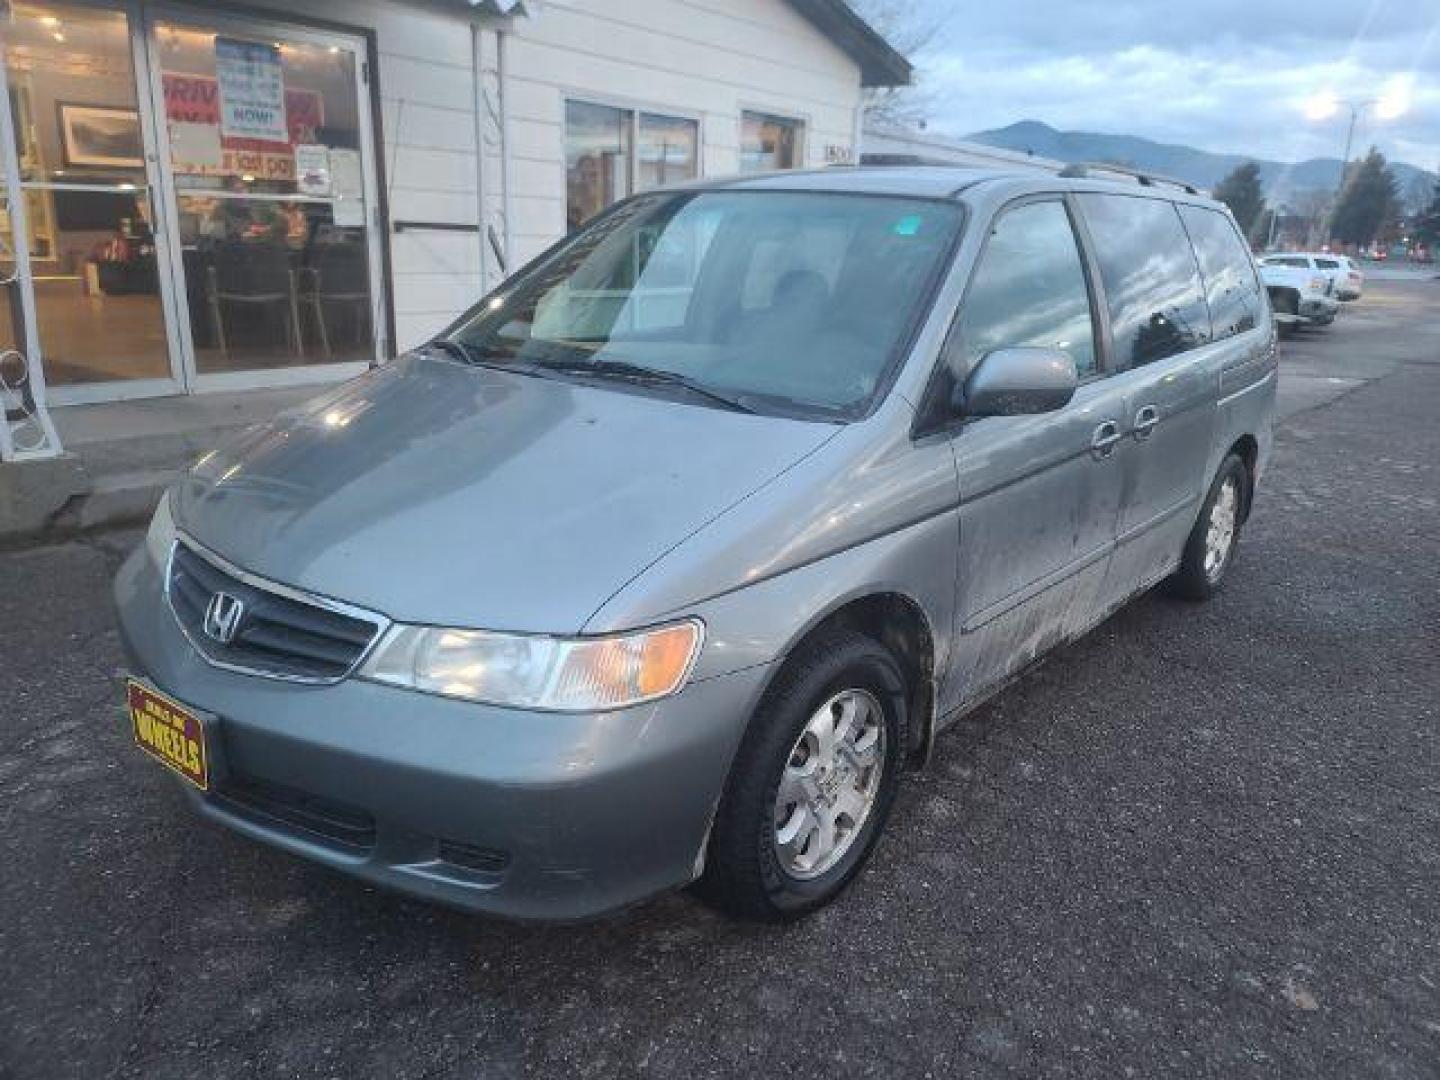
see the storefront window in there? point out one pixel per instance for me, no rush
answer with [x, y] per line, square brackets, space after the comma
[668, 151]
[597, 159]
[264, 143]
[600, 164]
[87, 203]
[769, 142]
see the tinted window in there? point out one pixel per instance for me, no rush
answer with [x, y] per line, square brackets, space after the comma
[1288, 260]
[1029, 289]
[1327, 264]
[1230, 286]
[1152, 284]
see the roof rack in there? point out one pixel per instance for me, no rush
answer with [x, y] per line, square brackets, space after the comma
[1082, 169]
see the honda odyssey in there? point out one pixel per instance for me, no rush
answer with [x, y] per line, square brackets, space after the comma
[664, 562]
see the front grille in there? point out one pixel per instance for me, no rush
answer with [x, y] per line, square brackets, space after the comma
[337, 824]
[278, 634]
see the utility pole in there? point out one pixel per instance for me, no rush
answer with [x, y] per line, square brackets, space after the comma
[1356, 107]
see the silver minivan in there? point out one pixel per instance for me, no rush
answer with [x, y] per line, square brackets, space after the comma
[664, 563]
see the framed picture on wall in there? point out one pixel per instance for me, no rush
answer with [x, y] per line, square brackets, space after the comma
[101, 136]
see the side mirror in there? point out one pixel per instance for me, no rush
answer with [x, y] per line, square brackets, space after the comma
[1018, 382]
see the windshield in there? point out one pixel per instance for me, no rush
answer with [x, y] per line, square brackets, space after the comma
[785, 302]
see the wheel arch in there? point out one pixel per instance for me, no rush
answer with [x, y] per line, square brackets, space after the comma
[1247, 449]
[897, 621]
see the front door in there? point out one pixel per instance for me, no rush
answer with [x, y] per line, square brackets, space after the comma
[198, 197]
[84, 143]
[270, 193]
[1040, 495]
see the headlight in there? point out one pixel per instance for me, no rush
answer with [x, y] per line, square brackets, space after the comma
[534, 672]
[161, 535]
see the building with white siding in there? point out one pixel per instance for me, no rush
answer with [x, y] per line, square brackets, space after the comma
[206, 196]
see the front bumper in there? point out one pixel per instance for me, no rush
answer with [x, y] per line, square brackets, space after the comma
[1320, 309]
[528, 815]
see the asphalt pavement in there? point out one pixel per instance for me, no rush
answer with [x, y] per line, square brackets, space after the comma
[1202, 842]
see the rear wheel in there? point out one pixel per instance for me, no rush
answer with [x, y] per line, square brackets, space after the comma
[1210, 548]
[812, 784]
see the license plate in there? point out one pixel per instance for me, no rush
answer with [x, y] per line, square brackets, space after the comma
[168, 732]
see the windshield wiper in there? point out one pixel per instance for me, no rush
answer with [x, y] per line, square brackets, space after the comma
[471, 356]
[457, 349]
[646, 376]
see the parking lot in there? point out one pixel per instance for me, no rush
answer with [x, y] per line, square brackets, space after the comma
[1204, 841]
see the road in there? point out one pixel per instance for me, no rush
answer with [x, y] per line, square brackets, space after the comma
[1202, 842]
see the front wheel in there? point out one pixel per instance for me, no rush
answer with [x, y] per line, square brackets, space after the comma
[1210, 548]
[812, 783]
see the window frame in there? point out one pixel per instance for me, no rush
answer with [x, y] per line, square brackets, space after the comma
[1259, 286]
[633, 107]
[802, 137]
[934, 416]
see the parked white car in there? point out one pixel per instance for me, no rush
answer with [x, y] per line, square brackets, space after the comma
[1340, 270]
[1299, 295]
[1349, 281]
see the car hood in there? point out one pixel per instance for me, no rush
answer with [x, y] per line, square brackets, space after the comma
[439, 493]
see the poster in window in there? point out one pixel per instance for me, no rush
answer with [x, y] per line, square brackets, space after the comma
[348, 188]
[252, 90]
[312, 169]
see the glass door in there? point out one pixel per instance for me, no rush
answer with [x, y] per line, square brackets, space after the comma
[266, 164]
[83, 138]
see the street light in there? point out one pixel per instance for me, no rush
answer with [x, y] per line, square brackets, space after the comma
[1390, 105]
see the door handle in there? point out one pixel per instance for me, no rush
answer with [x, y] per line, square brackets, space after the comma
[1145, 421]
[1102, 442]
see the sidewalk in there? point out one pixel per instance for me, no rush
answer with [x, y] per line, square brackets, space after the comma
[119, 457]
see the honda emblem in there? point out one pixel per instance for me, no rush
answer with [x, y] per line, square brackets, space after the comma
[222, 617]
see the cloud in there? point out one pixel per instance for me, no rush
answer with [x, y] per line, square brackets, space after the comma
[1228, 76]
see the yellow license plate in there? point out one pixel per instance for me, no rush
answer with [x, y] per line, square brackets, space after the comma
[168, 732]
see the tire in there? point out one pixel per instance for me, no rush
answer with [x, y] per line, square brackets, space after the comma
[1210, 548]
[1286, 304]
[764, 863]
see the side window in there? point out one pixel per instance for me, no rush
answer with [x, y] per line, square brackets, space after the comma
[1152, 283]
[1231, 289]
[1029, 289]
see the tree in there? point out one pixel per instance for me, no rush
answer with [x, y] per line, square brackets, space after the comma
[904, 24]
[1242, 193]
[1427, 223]
[1368, 202]
[1311, 208]
[1417, 195]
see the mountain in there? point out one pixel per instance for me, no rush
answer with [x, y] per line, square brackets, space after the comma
[1282, 180]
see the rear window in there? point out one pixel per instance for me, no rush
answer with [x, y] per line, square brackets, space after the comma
[1152, 282]
[1327, 264]
[1231, 290]
[1288, 260]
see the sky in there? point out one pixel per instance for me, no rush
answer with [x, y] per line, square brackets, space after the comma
[1236, 76]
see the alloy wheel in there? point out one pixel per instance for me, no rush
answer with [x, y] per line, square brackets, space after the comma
[830, 783]
[1220, 532]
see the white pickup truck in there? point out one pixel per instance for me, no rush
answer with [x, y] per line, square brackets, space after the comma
[1341, 269]
[1299, 297]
